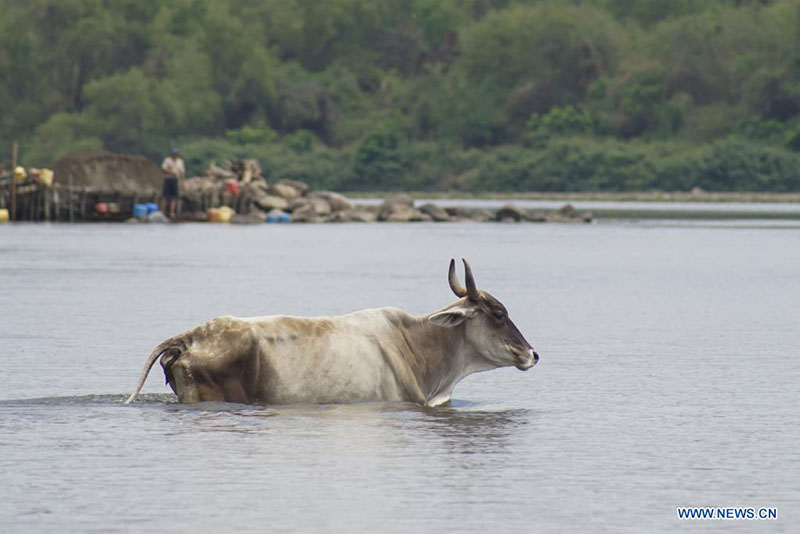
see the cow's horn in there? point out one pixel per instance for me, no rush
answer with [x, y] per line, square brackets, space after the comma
[453, 279]
[472, 289]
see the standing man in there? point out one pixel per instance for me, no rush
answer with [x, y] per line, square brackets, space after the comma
[174, 174]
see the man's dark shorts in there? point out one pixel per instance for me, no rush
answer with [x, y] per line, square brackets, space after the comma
[170, 187]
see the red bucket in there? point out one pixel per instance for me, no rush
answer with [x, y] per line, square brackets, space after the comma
[232, 187]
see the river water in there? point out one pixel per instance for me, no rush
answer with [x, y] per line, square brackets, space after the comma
[668, 377]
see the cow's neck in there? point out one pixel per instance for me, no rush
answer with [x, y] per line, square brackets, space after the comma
[441, 358]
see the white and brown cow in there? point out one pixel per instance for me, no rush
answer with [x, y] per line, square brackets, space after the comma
[382, 354]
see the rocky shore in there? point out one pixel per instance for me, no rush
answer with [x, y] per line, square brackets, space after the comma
[239, 188]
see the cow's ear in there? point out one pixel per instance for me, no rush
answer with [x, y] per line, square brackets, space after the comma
[451, 317]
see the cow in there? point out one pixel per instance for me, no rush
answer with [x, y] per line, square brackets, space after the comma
[381, 354]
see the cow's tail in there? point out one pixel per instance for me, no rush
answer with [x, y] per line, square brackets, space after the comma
[175, 344]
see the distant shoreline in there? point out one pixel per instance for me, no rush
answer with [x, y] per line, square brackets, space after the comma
[777, 198]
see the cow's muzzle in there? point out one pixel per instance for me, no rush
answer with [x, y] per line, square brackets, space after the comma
[527, 360]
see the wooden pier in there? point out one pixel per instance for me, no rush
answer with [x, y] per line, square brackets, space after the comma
[37, 202]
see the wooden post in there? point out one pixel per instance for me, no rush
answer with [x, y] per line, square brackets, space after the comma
[46, 203]
[14, 182]
[71, 201]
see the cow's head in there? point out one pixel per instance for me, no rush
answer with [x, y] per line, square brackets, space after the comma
[488, 328]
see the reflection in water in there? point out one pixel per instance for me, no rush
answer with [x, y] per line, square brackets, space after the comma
[476, 431]
[462, 427]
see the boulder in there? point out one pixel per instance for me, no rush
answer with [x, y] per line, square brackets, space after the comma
[157, 217]
[337, 202]
[458, 212]
[421, 217]
[352, 216]
[510, 212]
[195, 189]
[218, 173]
[255, 188]
[408, 215]
[298, 203]
[305, 213]
[567, 210]
[270, 202]
[300, 187]
[473, 214]
[363, 216]
[568, 213]
[284, 191]
[320, 206]
[436, 213]
[537, 216]
[397, 208]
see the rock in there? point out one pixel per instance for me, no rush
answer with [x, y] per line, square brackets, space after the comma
[436, 213]
[567, 210]
[305, 213]
[157, 217]
[284, 191]
[421, 217]
[474, 214]
[132, 220]
[458, 212]
[217, 172]
[537, 216]
[250, 170]
[363, 216]
[405, 214]
[568, 213]
[320, 206]
[397, 208]
[194, 189]
[255, 188]
[298, 203]
[510, 211]
[300, 187]
[337, 202]
[352, 216]
[398, 216]
[271, 202]
[581, 218]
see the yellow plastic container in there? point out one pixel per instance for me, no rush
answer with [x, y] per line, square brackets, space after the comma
[46, 177]
[20, 174]
[220, 215]
[3, 215]
[225, 214]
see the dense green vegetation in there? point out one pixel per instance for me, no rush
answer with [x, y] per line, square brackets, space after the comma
[476, 95]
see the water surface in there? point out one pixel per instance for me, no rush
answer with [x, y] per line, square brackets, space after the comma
[668, 378]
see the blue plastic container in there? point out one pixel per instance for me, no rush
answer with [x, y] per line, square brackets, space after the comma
[140, 210]
[282, 217]
[151, 207]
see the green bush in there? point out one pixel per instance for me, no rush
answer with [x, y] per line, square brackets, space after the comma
[249, 135]
[301, 141]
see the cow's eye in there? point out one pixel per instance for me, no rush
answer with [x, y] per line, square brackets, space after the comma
[499, 315]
